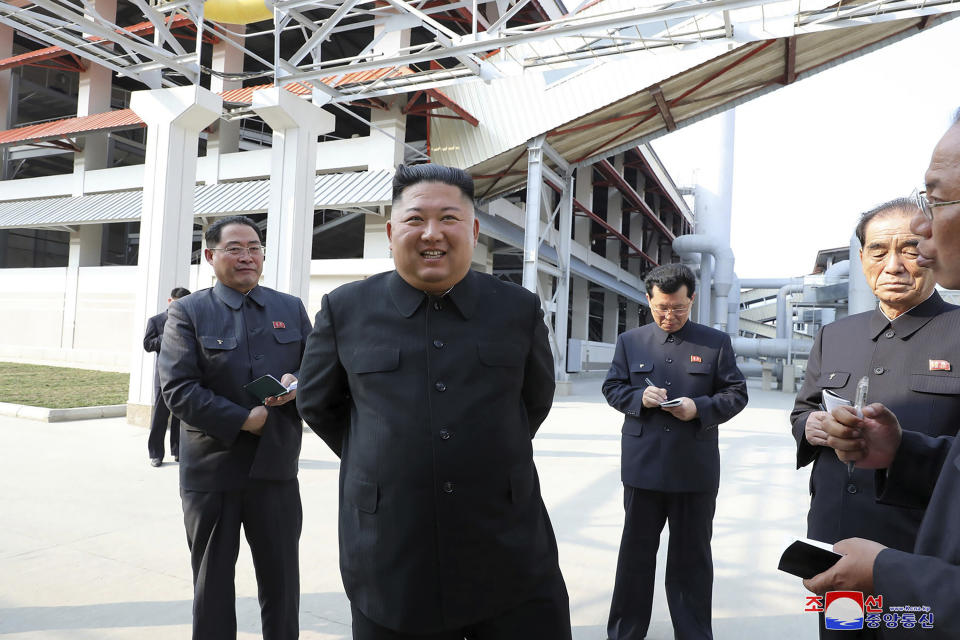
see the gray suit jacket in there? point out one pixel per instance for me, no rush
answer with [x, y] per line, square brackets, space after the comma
[660, 452]
[215, 341]
[431, 404]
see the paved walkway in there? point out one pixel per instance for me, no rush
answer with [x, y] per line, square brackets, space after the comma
[92, 542]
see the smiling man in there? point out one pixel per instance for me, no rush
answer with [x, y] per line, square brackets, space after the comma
[429, 382]
[238, 457]
[900, 347]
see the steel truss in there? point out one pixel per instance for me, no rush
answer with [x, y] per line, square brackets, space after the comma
[467, 40]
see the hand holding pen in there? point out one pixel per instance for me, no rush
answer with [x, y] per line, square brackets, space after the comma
[653, 395]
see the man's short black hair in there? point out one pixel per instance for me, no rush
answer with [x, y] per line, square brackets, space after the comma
[897, 205]
[179, 292]
[409, 175]
[212, 236]
[669, 278]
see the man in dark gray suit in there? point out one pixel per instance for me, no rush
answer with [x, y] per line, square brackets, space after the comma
[152, 340]
[900, 348]
[429, 382]
[914, 469]
[238, 456]
[670, 459]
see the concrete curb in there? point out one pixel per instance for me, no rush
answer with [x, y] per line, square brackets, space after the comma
[44, 414]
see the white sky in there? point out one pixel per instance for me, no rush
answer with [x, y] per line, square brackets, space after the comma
[809, 158]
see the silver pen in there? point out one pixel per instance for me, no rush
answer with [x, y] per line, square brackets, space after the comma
[860, 399]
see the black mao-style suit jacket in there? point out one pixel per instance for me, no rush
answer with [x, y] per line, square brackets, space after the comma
[660, 452]
[899, 359]
[431, 404]
[215, 341]
[152, 339]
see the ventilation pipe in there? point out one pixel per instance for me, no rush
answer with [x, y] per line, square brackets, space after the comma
[837, 271]
[722, 275]
[860, 297]
[784, 317]
[771, 348]
[733, 308]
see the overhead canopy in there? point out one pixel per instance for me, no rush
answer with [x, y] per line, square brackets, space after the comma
[495, 153]
[354, 190]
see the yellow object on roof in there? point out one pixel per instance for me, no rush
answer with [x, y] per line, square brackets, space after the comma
[237, 11]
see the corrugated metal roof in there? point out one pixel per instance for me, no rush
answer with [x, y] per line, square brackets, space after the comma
[513, 111]
[331, 191]
[107, 121]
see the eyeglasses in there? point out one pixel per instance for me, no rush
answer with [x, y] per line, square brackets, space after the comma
[676, 311]
[927, 207]
[255, 251]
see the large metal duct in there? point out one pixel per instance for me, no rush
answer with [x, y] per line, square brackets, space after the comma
[723, 270]
[860, 296]
[784, 324]
[767, 348]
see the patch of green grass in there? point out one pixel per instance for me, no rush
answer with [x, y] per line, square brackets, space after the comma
[60, 387]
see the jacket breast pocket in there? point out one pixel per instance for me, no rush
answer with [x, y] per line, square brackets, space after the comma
[286, 336]
[833, 379]
[362, 494]
[218, 348]
[926, 383]
[639, 371]
[374, 359]
[699, 368]
[500, 354]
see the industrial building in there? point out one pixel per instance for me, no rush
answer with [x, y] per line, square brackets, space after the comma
[126, 127]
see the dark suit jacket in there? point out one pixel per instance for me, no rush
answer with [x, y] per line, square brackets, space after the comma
[926, 400]
[215, 341]
[925, 473]
[431, 404]
[152, 340]
[660, 452]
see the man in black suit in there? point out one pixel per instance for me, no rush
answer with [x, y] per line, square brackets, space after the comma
[900, 348]
[238, 462]
[161, 413]
[914, 469]
[429, 382]
[670, 463]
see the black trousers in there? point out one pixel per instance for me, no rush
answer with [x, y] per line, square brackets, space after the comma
[271, 515]
[546, 616]
[689, 579]
[158, 427]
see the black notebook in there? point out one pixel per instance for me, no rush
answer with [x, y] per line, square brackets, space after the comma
[805, 560]
[265, 387]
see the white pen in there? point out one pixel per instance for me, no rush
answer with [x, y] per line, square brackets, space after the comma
[860, 399]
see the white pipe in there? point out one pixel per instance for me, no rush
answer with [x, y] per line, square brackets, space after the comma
[733, 308]
[860, 297]
[755, 369]
[775, 348]
[837, 271]
[784, 323]
[723, 268]
[768, 283]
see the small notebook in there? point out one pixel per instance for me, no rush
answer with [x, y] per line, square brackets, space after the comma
[266, 387]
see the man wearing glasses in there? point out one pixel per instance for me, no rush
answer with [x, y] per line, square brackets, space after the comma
[913, 469]
[238, 456]
[901, 348]
[675, 381]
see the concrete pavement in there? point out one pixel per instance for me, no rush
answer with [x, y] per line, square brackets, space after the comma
[92, 542]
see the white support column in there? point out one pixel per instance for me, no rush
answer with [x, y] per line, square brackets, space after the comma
[375, 242]
[611, 306]
[205, 276]
[225, 137]
[634, 266]
[296, 124]
[580, 317]
[531, 227]
[93, 97]
[563, 282]
[174, 119]
[84, 252]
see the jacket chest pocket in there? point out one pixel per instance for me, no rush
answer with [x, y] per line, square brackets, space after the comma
[699, 368]
[938, 399]
[639, 372]
[217, 346]
[833, 379]
[374, 360]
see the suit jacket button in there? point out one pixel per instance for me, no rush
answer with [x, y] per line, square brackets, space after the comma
[440, 386]
[259, 356]
[890, 334]
[669, 360]
[437, 306]
[445, 434]
[438, 344]
[666, 428]
[448, 487]
[852, 488]
[878, 370]
[668, 383]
